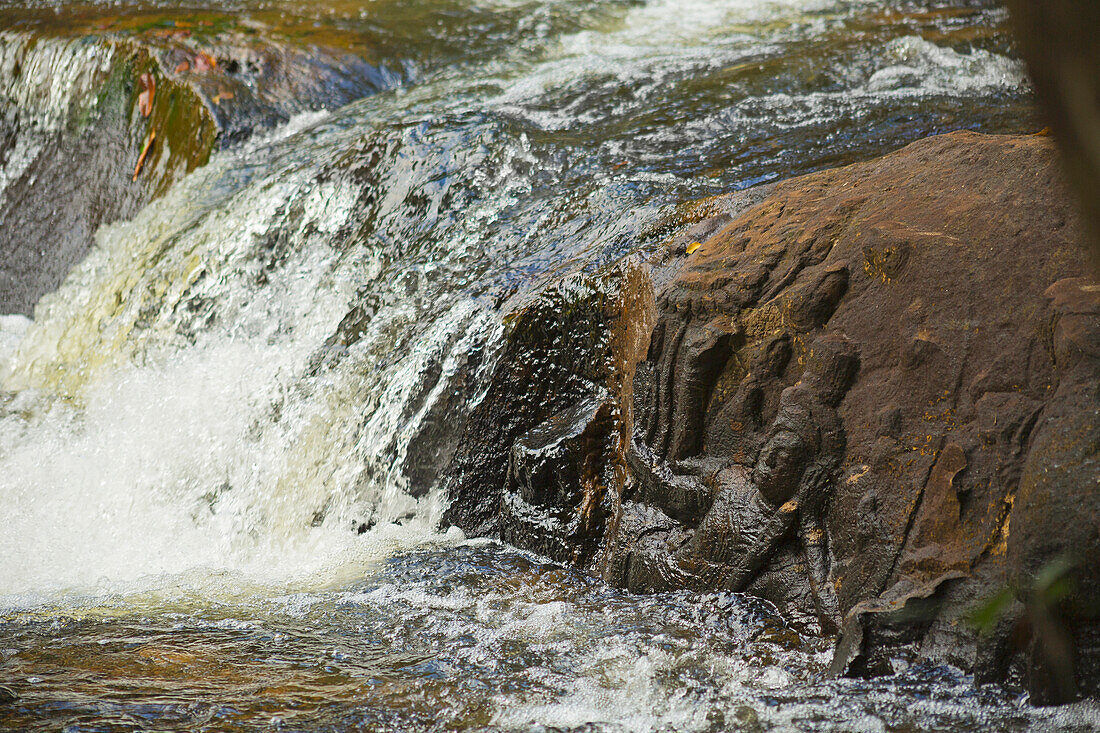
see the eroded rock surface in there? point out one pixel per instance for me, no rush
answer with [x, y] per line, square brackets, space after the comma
[865, 374]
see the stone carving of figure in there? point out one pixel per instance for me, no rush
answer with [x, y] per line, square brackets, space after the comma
[785, 492]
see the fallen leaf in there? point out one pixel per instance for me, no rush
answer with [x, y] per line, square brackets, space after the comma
[693, 246]
[205, 62]
[182, 66]
[222, 94]
[148, 88]
[144, 152]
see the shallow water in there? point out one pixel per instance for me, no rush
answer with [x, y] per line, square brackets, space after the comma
[266, 360]
[468, 637]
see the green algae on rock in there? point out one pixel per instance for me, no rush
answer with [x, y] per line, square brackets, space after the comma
[71, 140]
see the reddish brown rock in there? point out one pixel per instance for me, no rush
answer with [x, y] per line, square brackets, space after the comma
[865, 391]
[871, 398]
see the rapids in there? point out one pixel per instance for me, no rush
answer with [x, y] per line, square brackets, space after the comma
[219, 437]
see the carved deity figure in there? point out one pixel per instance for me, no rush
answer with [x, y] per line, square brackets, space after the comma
[785, 492]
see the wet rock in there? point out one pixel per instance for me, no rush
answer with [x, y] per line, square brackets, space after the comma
[86, 141]
[542, 459]
[872, 399]
[555, 500]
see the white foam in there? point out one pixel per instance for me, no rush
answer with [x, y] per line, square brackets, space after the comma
[923, 67]
[649, 45]
[12, 329]
[928, 70]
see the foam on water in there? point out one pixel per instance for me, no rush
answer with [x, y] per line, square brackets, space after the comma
[921, 67]
[647, 49]
[144, 488]
[477, 636]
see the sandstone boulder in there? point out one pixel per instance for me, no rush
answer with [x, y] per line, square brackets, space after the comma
[871, 398]
[884, 379]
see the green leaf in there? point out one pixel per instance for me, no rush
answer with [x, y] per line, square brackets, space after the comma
[986, 615]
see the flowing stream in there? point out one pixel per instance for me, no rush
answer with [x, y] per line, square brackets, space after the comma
[219, 437]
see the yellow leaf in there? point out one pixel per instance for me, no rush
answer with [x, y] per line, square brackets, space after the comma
[693, 246]
[148, 89]
[144, 152]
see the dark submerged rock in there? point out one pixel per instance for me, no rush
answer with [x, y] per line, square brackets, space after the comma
[542, 459]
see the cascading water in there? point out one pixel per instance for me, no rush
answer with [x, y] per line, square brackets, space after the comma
[220, 438]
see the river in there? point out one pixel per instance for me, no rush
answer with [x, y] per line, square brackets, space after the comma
[215, 508]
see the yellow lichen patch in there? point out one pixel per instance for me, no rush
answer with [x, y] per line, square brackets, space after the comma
[874, 264]
[855, 477]
[763, 321]
[729, 381]
[798, 346]
[998, 541]
[945, 416]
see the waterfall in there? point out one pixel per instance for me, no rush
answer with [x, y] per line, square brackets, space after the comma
[223, 434]
[276, 352]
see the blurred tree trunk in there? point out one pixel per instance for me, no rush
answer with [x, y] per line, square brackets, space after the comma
[1060, 40]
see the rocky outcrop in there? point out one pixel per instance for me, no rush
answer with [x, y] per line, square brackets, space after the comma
[542, 459]
[101, 114]
[864, 377]
[871, 399]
